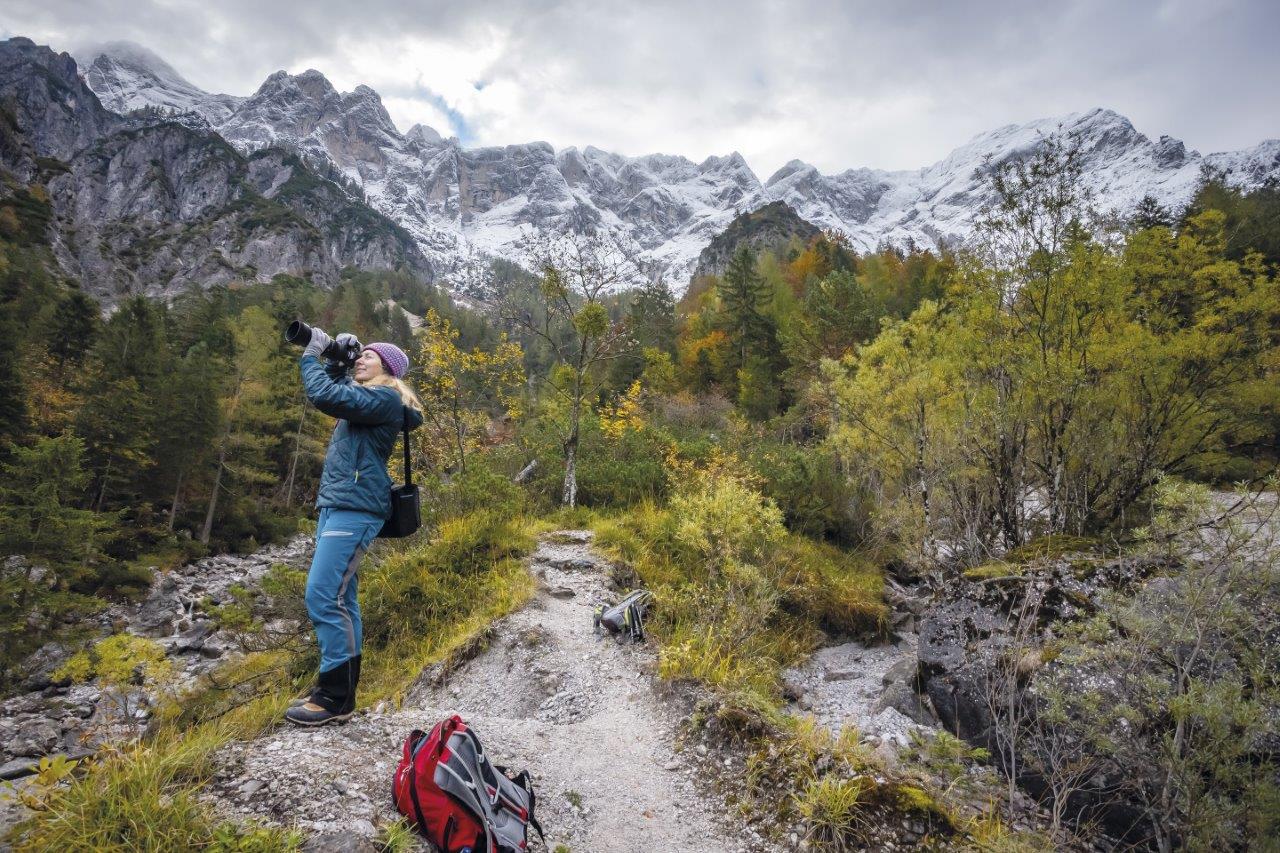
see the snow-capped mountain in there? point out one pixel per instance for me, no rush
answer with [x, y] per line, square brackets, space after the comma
[142, 204]
[126, 76]
[456, 200]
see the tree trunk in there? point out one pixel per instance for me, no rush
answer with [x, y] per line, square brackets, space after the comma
[177, 492]
[102, 492]
[297, 451]
[570, 495]
[922, 441]
[458, 436]
[213, 499]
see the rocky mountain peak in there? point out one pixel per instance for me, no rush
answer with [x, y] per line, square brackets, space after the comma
[128, 76]
[455, 200]
[420, 134]
[57, 113]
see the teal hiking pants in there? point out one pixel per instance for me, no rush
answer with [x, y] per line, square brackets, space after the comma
[342, 537]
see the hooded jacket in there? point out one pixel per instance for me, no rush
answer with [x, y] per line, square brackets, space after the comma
[369, 420]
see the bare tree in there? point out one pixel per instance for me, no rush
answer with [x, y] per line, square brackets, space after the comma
[567, 312]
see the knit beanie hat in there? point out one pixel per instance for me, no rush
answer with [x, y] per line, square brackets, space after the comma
[393, 358]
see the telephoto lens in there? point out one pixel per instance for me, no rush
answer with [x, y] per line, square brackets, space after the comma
[299, 334]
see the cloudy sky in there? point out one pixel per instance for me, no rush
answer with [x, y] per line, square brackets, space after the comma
[838, 84]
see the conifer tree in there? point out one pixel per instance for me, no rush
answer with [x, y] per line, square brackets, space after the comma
[743, 292]
[1149, 214]
[118, 419]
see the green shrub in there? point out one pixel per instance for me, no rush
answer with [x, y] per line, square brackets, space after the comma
[481, 487]
[815, 496]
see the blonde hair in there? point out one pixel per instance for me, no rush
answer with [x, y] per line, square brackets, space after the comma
[407, 397]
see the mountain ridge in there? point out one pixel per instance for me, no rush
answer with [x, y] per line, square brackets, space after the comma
[143, 203]
[456, 201]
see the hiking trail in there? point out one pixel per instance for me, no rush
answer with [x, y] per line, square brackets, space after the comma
[577, 710]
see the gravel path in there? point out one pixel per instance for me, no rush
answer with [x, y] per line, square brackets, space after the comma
[577, 710]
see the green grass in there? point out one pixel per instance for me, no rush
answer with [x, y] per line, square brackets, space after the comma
[143, 798]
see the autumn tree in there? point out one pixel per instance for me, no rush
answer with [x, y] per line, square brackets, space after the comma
[578, 273]
[460, 388]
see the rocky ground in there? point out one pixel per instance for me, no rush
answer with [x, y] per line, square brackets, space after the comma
[54, 717]
[613, 767]
[578, 710]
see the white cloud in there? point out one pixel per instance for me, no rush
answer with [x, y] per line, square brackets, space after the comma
[838, 84]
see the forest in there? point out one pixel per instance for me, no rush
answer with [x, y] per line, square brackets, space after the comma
[766, 451]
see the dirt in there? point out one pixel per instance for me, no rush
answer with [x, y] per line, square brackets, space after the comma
[581, 712]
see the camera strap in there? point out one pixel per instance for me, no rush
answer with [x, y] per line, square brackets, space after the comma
[404, 422]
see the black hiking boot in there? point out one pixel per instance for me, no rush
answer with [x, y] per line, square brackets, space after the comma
[334, 699]
[310, 695]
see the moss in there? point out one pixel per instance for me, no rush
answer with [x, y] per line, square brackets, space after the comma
[50, 166]
[1053, 545]
[990, 571]
[25, 214]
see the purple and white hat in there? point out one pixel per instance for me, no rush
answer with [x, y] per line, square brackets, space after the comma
[393, 358]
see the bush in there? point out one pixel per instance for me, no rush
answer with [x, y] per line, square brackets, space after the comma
[481, 487]
[469, 569]
[815, 496]
[726, 523]
[737, 598]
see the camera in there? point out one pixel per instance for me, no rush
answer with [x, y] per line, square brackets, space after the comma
[299, 333]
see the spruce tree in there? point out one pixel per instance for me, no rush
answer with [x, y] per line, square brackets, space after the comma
[72, 330]
[1149, 214]
[119, 418]
[743, 292]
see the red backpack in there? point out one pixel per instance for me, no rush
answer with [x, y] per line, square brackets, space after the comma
[458, 800]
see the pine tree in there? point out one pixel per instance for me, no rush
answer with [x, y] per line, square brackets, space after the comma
[1149, 214]
[743, 292]
[118, 419]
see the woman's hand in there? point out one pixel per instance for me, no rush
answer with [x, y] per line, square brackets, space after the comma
[319, 341]
[349, 343]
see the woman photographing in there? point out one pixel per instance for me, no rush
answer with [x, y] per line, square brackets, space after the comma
[354, 503]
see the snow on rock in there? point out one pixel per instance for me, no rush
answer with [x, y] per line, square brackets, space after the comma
[456, 200]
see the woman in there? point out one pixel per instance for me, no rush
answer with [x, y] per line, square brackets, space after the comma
[354, 501]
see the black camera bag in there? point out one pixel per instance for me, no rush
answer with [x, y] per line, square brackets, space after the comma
[406, 514]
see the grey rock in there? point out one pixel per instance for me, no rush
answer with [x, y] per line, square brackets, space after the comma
[251, 786]
[561, 592]
[35, 738]
[16, 768]
[340, 842]
[904, 671]
[156, 204]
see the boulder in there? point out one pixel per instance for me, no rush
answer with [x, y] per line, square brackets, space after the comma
[35, 737]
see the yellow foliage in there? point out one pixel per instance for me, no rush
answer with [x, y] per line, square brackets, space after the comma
[626, 414]
[458, 389]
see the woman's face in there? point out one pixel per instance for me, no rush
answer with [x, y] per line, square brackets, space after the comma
[368, 365]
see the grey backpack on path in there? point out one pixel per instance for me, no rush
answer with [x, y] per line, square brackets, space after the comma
[626, 617]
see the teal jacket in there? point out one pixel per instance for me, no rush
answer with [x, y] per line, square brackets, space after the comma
[369, 420]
